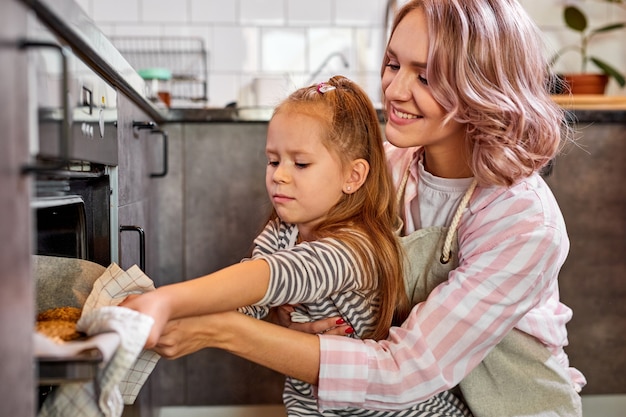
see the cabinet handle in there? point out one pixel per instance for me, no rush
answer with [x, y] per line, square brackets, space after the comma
[147, 125]
[165, 165]
[144, 125]
[142, 244]
[87, 99]
[66, 125]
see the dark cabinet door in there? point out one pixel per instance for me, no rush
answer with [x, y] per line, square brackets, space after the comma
[136, 147]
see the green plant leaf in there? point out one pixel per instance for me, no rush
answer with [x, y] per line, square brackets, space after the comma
[609, 70]
[575, 18]
[609, 28]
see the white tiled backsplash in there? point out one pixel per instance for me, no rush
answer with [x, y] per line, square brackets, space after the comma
[288, 40]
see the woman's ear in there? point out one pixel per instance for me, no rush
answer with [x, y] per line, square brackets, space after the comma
[359, 169]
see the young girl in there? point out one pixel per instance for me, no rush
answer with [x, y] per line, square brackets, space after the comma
[331, 246]
[470, 124]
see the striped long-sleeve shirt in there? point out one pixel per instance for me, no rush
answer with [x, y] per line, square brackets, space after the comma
[512, 244]
[324, 277]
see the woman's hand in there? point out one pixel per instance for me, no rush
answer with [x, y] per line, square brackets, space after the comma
[182, 337]
[286, 351]
[332, 325]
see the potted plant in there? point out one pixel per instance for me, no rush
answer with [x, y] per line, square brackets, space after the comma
[586, 82]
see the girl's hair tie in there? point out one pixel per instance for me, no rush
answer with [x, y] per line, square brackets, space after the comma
[325, 87]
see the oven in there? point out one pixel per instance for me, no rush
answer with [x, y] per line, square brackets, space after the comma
[65, 191]
[73, 147]
[74, 152]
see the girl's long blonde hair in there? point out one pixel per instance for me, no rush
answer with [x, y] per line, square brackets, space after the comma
[366, 219]
[486, 68]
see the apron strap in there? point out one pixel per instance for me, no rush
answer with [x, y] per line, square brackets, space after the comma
[402, 186]
[446, 253]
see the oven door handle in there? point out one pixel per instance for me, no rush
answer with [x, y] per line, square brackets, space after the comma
[66, 125]
[142, 244]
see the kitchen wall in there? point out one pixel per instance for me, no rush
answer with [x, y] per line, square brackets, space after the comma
[284, 42]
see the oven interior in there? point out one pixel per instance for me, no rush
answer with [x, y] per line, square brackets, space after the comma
[72, 214]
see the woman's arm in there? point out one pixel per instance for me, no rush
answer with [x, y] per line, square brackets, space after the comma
[182, 337]
[287, 351]
[512, 245]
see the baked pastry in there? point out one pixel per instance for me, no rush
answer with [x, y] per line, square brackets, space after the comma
[60, 313]
[59, 323]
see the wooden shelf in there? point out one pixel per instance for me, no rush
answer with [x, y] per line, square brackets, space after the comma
[591, 102]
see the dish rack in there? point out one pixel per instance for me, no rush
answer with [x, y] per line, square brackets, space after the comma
[185, 57]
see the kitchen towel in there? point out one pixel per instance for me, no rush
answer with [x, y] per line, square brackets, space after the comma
[120, 379]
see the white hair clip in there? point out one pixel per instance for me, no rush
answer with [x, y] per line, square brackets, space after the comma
[324, 88]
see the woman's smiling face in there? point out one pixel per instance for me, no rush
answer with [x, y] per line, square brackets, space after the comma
[414, 116]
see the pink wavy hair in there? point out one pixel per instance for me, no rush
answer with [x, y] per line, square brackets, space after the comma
[486, 68]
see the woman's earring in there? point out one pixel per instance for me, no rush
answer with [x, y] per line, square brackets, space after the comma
[348, 188]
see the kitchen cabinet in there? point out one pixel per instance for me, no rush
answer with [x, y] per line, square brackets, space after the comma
[589, 182]
[143, 164]
[17, 396]
[209, 208]
[140, 141]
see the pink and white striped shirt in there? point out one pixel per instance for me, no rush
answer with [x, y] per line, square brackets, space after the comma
[512, 244]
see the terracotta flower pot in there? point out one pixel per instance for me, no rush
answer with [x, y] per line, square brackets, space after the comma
[585, 83]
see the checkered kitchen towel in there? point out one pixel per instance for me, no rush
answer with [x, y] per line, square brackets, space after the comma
[118, 381]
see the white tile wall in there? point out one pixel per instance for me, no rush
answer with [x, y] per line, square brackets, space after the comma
[283, 50]
[301, 12]
[368, 13]
[161, 11]
[213, 11]
[248, 39]
[120, 11]
[262, 12]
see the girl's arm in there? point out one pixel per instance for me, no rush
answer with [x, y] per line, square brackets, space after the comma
[235, 286]
[250, 282]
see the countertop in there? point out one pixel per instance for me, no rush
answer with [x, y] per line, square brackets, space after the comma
[578, 112]
[586, 108]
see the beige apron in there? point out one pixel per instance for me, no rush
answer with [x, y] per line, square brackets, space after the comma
[519, 377]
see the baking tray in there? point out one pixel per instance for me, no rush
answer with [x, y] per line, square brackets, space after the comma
[78, 368]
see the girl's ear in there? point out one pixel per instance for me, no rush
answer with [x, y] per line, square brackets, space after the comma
[359, 169]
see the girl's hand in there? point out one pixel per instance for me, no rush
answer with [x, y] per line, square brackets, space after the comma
[332, 325]
[150, 304]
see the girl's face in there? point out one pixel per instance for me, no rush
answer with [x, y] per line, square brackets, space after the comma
[414, 117]
[303, 178]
